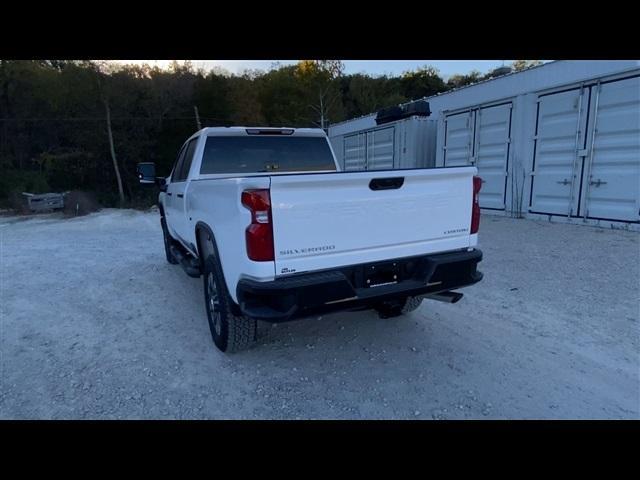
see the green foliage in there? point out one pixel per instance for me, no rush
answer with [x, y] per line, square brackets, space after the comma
[519, 65]
[363, 94]
[284, 98]
[15, 181]
[320, 85]
[422, 82]
[53, 129]
[457, 81]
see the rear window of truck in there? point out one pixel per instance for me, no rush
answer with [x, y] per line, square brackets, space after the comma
[266, 154]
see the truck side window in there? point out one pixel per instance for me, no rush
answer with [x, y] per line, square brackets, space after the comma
[175, 173]
[183, 173]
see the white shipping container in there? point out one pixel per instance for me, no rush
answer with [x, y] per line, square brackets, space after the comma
[406, 143]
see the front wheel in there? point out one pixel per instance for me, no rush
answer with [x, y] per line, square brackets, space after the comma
[230, 333]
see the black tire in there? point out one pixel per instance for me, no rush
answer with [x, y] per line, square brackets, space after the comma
[397, 308]
[167, 242]
[230, 333]
[411, 304]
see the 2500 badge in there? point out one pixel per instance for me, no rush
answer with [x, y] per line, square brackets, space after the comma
[298, 251]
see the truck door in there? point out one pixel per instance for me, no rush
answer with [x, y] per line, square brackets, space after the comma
[178, 186]
[172, 217]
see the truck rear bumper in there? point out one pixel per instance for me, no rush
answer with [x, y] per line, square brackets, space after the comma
[357, 286]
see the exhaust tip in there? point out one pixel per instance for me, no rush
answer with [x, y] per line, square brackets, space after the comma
[447, 297]
[456, 297]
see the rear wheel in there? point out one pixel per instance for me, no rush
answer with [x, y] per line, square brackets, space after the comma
[230, 333]
[395, 308]
[167, 242]
[412, 303]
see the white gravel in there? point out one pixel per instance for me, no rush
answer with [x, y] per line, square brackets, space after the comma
[95, 324]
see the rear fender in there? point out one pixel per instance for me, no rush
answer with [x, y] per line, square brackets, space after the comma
[206, 244]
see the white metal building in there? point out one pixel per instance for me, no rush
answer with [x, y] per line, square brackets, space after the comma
[557, 141]
[406, 143]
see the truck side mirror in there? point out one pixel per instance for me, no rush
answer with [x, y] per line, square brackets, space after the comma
[146, 172]
[162, 183]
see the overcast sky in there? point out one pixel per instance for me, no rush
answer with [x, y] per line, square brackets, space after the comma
[372, 67]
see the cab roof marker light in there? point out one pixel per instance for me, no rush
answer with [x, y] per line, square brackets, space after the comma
[270, 131]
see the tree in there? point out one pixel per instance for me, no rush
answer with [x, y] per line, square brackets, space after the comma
[244, 99]
[101, 78]
[211, 94]
[457, 81]
[363, 94]
[283, 97]
[320, 77]
[519, 65]
[423, 82]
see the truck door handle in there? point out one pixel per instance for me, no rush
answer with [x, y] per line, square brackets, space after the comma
[169, 193]
[386, 183]
[180, 195]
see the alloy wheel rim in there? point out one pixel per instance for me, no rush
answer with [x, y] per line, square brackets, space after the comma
[214, 303]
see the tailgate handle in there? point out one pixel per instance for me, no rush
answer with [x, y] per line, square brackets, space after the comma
[386, 183]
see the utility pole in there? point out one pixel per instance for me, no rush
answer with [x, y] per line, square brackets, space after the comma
[198, 124]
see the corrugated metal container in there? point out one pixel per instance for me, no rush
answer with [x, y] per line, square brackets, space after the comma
[558, 141]
[406, 143]
[482, 137]
[587, 152]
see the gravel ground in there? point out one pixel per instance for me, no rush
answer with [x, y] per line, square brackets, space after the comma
[95, 324]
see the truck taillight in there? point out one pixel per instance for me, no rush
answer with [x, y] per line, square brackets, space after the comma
[259, 233]
[475, 207]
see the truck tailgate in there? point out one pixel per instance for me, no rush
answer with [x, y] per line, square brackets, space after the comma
[329, 220]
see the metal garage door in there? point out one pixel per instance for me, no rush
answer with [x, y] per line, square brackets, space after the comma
[587, 152]
[611, 182]
[491, 153]
[380, 146]
[373, 150]
[559, 144]
[355, 152]
[458, 139]
[481, 137]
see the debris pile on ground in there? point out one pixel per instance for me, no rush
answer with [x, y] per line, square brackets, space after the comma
[78, 203]
[18, 203]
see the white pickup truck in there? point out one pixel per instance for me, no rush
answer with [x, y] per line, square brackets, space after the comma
[278, 232]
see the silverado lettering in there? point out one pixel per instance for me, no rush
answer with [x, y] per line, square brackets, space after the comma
[307, 250]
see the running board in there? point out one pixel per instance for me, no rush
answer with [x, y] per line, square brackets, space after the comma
[190, 265]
